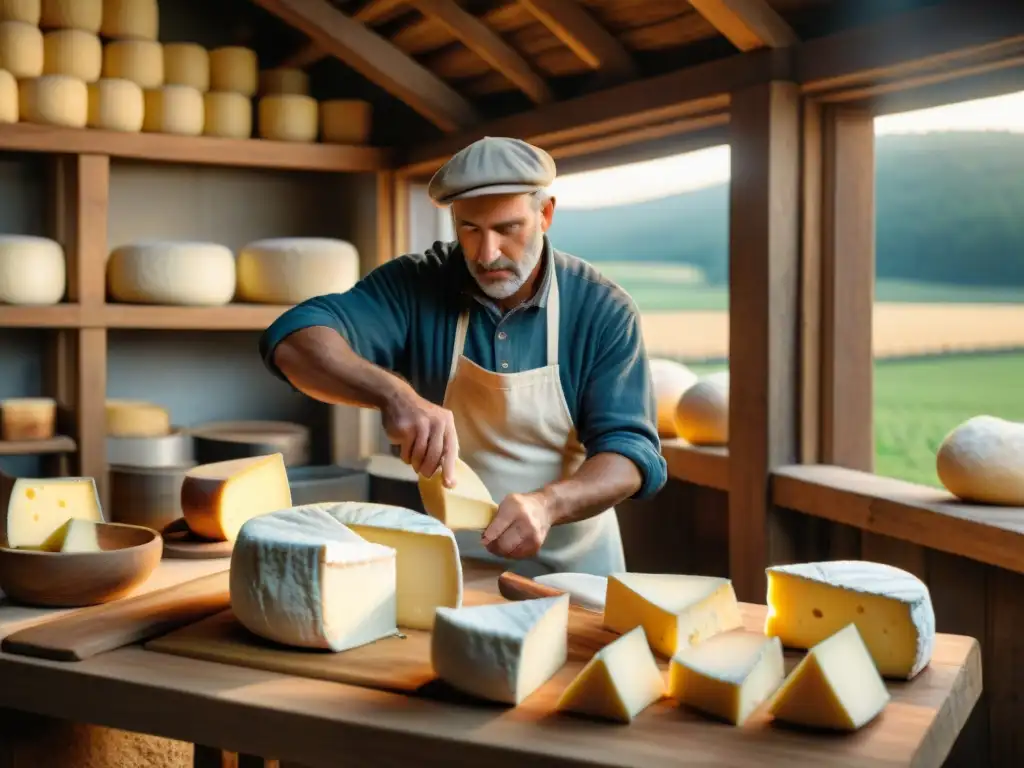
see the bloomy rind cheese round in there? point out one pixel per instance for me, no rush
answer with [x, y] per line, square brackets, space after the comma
[21, 49]
[288, 117]
[8, 97]
[702, 415]
[116, 105]
[54, 100]
[130, 19]
[234, 68]
[72, 14]
[175, 109]
[669, 380]
[42, 284]
[345, 121]
[172, 272]
[28, 11]
[187, 64]
[73, 52]
[227, 115]
[982, 461]
[290, 270]
[141, 61]
[284, 80]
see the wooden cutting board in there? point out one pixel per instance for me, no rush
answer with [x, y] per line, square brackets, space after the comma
[102, 628]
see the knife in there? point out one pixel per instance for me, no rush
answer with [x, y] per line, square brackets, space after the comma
[512, 586]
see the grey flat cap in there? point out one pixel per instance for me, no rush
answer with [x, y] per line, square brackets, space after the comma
[492, 166]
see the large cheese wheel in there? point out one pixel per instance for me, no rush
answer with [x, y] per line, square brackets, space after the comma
[141, 61]
[8, 97]
[72, 14]
[670, 380]
[174, 109]
[187, 64]
[234, 68]
[73, 52]
[702, 416]
[27, 11]
[346, 121]
[288, 117]
[136, 418]
[227, 115]
[284, 80]
[54, 100]
[116, 105]
[982, 460]
[21, 49]
[130, 19]
[169, 272]
[28, 418]
[292, 269]
[32, 270]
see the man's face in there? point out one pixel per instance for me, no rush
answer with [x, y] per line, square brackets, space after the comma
[502, 237]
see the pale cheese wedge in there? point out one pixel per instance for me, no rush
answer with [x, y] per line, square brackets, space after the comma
[38, 508]
[74, 536]
[586, 590]
[466, 506]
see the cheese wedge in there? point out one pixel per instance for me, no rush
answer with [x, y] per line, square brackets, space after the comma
[37, 508]
[728, 676]
[217, 498]
[675, 611]
[586, 590]
[74, 536]
[618, 683]
[466, 506]
[808, 602]
[301, 578]
[836, 686]
[501, 652]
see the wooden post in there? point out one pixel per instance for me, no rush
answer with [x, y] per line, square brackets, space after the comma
[764, 239]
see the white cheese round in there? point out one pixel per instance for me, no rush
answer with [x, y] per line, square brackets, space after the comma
[292, 269]
[187, 64]
[135, 19]
[54, 100]
[73, 52]
[346, 121]
[234, 68]
[284, 80]
[21, 49]
[116, 105]
[86, 15]
[702, 416]
[982, 460]
[227, 115]
[8, 97]
[32, 270]
[669, 380]
[141, 61]
[27, 11]
[288, 117]
[174, 109]
[170, 272]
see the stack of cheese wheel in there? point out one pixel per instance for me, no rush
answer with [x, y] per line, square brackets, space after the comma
[286, 111]
[289, 270]
[116, 101]
[32, 270]
[234, 80]
[171, 272]
[21, 52]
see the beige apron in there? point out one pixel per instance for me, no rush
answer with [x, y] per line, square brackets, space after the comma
[516, 432]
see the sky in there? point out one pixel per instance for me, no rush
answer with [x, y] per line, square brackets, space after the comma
[652, 179]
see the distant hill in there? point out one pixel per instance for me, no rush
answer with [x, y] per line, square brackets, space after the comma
[950, 209]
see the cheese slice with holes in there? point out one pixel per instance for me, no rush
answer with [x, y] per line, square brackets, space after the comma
[37, 508]
[808, 602]
[300, 577]
[618, 683]
[836, 686]
[74, 536]
[501, 652]
[466, 506]
[218, 498]
[675, 611]
[728, 676]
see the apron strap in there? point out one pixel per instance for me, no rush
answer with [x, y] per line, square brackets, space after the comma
[460, 342]
[553, 318]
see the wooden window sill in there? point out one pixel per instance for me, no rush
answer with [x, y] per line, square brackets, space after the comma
[708, 467]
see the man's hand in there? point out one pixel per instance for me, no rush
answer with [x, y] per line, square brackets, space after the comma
[520, 526]
[425, 432]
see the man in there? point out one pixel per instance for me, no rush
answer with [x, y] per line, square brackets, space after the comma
[523, 361]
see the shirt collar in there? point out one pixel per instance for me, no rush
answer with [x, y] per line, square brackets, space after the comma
[539, 299]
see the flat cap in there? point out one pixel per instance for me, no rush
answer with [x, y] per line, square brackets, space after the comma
[493, 165]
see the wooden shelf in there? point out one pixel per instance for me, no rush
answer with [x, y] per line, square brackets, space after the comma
[233, 317]
[58, 444]
[203, 150]
[708, 467]
[53, 316]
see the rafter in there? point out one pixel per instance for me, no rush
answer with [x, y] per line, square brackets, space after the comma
[748, 24]
[376, 59]
[584, 36]
[372, 11]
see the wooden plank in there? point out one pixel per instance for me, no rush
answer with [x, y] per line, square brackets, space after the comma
[1006, 655]
[233, 317]
[376, 59]
[57, 444]
[373, 11]
[748, 24]
[598, 48]
[810, 284]
[708, 467]
[763, 328]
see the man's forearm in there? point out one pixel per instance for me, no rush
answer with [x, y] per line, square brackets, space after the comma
[602, 481]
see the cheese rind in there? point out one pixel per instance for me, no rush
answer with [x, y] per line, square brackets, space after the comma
[175, 109]
[187, 64]
[676, 611]
[345, 121]
[72, 52]
[728, 676]
[27, 418]
[21, 49]
[8, 97]
[227, 116]
[288, 117]
[116, 105]
[702, 414]
[299, 577]
[892, 609]
[141, 61]
[27, 11]
[835, 686]
[72, 14]
[982, 461]
[618, 683]
[136, 19]
[168, 272]
[501, 652]
[218, 498]
[669, 380]
[284, 80]
[584, 589]
[38, 507]
[468, 505]
[289, 270]
[42, 284]
[136, 418]
[54, 100]
[234, 68]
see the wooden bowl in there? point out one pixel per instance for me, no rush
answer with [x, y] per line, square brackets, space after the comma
[130, 553]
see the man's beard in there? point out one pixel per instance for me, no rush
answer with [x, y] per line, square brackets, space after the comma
[521, 270]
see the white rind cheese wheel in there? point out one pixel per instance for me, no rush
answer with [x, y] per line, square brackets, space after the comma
[175, 109]
[982, 460]
[284, 80]
[168, 272]
[54, 100]
[28, 418]
[136, 418]
[116, 105]
[187, 64]
[702, 416]
[73, 52]
[290, 270]
[27, 11]
[72, 14]
[669, 380]
[288, 117]
[141, 61]
[8, 97]
[21, 49]
[234, 68]
[227, 115]
[32, 270]
[131, 19]
[346, 121]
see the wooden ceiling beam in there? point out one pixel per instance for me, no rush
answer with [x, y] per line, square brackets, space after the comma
[747, 24]
[375, 10]
[584, 36]
[376, 59]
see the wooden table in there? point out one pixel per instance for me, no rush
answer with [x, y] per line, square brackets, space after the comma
[315, 723]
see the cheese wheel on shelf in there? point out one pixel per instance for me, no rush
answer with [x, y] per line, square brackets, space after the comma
[73, 52]
[982, 461]
[227, 115]
[289, 270]
[670, 380]
[187, 64]
[702, 415]
[8, 97]
[172, 272]
[27, 11]
[32, 270]
[54, 100]
[288, 117]
[175, 109]
[28, 418]
[21, 49]
[116, 105]
[72, 14]
[284, 80]
[141, 61]
[234, 68]
[130, 19]
[136, 418]
[346, 121]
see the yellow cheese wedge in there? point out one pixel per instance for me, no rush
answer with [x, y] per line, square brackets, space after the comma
[37, 508]
[728, 676]
[675, 611]
[466, 506]
[836, 686]
[136, 418]
[618, 683]
[74, 536]
[217, 498]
